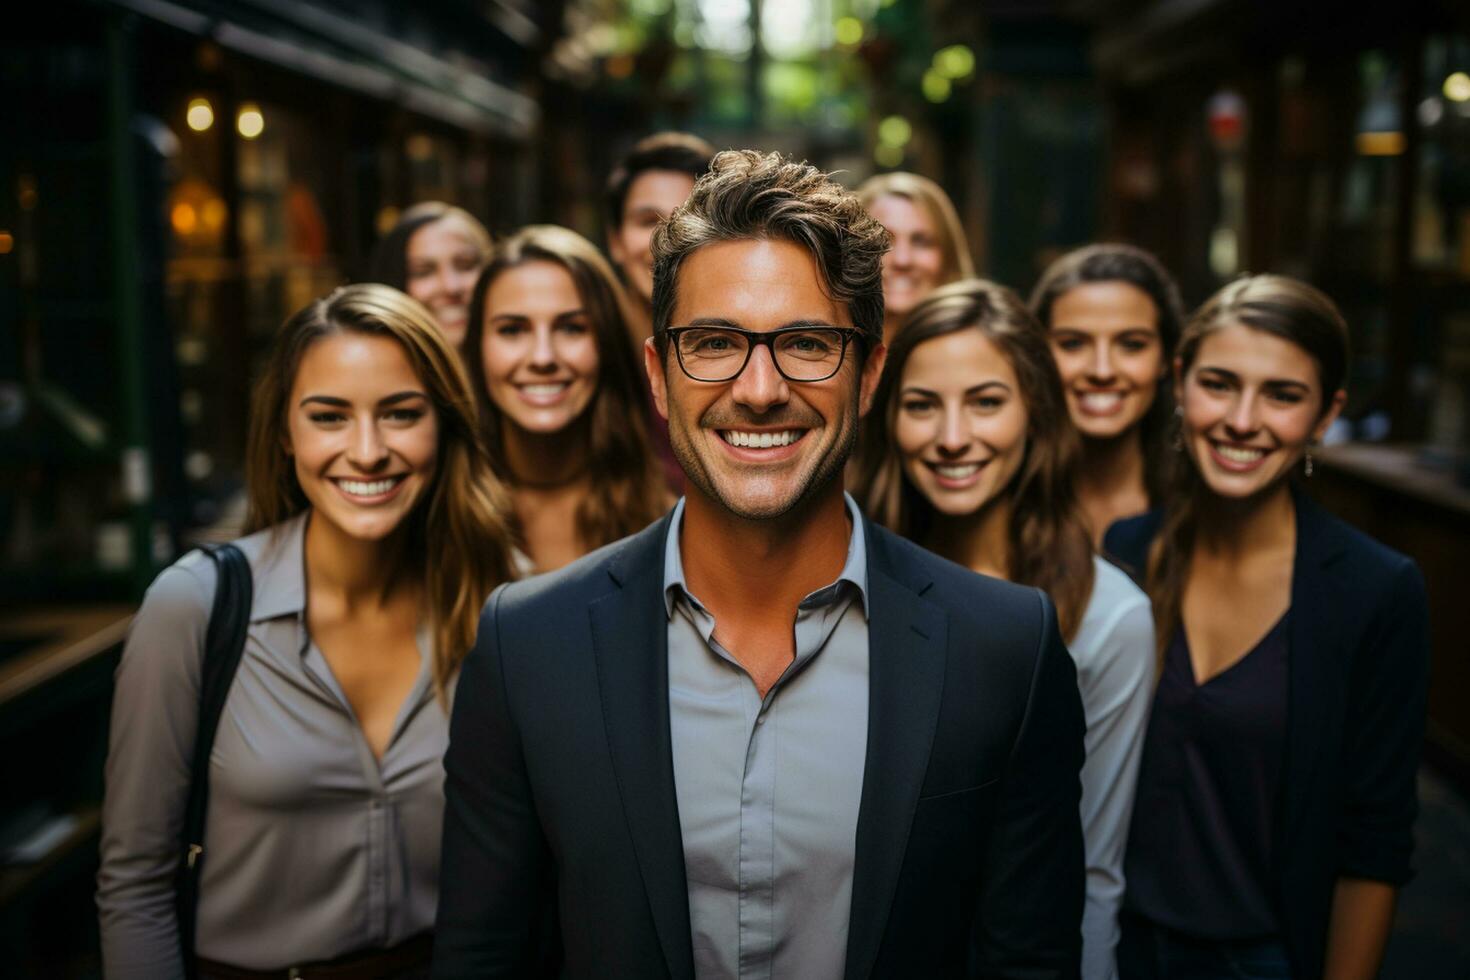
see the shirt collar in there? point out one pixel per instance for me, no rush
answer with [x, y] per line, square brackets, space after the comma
[854, 570]
[278, 566]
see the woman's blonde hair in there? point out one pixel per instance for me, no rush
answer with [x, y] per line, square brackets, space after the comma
[628, 490]
[1047, 544]
[934, 202]
[458, 544]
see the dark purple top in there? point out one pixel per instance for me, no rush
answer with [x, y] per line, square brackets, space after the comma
[1200, 849]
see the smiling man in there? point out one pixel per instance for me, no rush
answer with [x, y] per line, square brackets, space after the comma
[780, 741]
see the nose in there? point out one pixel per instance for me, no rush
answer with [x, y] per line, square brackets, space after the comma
[1241, 420]
[368, 450]
[760, 387]
[954, 434]
[1100, 371]
[543, 349]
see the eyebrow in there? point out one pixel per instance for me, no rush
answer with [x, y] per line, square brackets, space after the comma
[717, 321]
[523, 316]
[972, 390]
[1269, 382]
[335, 402]
[1139, 327]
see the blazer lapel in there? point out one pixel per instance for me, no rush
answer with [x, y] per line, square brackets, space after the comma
[630, 637]
[1312, 637]
[906, 659]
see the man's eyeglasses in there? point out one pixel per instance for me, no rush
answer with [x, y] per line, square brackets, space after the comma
[716, 354]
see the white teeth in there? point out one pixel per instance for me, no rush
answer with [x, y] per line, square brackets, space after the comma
[1101, 401]
[959, 471]
[362, 488]
[544, 390]
[760, 440]
[1238, 454]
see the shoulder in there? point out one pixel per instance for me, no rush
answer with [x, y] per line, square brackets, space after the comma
[950, 584]
[584, 580]
[1117, 628]
[1370, 560]
[1126, 542]
[182, 594]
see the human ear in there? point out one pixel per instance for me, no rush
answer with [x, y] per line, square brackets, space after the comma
[868, 382]
[658, 383]
[1329, 415]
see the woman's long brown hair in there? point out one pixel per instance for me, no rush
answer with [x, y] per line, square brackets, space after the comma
[1276, 305]
[457, 542]
[1049, 547]
[628, 491]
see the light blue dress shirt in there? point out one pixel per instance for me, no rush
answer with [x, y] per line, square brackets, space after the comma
[768, 788]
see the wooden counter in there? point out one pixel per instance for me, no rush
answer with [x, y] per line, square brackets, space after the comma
[1385, 491]
[74, 635]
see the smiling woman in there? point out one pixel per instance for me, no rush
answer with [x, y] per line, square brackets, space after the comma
[1276, 798]
[561, 399]
[928, 248]
[1112, 314]
[377, 536]
[434, 252]
[968, 451]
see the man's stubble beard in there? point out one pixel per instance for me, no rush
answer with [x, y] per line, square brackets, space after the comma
[828, 468]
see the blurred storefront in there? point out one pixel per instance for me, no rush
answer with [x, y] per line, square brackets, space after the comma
[180, 176]
[1291, 138]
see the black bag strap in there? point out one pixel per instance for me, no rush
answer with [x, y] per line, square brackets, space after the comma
[223, 644]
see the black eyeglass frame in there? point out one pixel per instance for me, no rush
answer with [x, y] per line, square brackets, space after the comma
[765, 339]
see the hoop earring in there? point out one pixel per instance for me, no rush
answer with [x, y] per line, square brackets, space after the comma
[1177, 443]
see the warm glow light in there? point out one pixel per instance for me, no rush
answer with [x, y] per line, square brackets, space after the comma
[619, 66]
[848, 30]
[213, 214]
[1381, 144]
[200, 115]
[387, 218]
[895, 131]
[1457, 87]
[184, 218]
[7, 242]
[250, 123]
[936, 86]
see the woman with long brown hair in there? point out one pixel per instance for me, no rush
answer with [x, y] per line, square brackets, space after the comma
[1112, 314]
[375, 538]
[561, 398]
[969, 452]
[928, 247]
[1276, 797]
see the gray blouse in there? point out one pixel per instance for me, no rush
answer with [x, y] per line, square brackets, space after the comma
[312, 846]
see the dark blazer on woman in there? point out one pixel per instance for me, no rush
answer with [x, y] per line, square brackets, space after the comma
[1358, 669]
[562, 827]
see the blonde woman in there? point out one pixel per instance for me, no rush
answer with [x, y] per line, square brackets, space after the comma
[929, 247]
[375, 538]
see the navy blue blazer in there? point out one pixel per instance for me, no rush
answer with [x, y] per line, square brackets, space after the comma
[1358, 672]
[562, 846]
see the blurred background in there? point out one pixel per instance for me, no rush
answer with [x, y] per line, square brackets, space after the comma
[176, 176]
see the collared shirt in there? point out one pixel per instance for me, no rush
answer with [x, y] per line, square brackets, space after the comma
[313, 847]
[768, 788]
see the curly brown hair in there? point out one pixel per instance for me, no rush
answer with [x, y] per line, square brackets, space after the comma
[751, 195]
